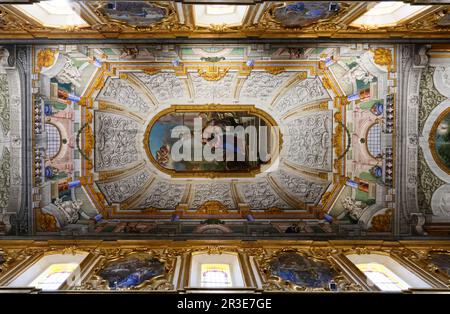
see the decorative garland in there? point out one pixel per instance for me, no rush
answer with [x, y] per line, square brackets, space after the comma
[349, 141]
[78, 142]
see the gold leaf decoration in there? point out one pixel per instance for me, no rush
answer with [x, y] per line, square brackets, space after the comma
[212, 208]
[45, 222]
[382, 222]
[213, 73]
[88, 140]
[45, 58]
[152, 71]
[219, 28]
[382, 56]
[275, 70]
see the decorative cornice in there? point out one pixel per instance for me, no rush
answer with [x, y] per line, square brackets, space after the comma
[15, 24]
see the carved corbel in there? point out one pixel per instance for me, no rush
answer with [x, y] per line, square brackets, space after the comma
[5, 223]
[420, 59]
[418, 221]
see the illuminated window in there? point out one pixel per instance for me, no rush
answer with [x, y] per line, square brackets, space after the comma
[54, 276]
[386, 273]
[216, 276]
[382, 277]
[388, 14]
[51, 272]
[54, 13]
[231, 15]
[220, 9]
[216, 271]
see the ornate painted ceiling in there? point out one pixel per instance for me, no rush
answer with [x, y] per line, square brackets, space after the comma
[358, 131]
[87, 145]
[101, 147]
[252, 19]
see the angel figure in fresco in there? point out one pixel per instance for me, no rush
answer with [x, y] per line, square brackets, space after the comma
[357, 73]
[354, 208]
[69, 74]
[129, 53]
[162, 155]
[70, 209]
[294, 53]
[217, 124]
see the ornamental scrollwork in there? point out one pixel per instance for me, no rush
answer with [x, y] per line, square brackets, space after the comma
[260, 195]
[312, 136]
[305, 190]
[220, 192]
[120, 190]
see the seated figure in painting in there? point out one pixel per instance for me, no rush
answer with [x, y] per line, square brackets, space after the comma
[217, 123]
[301, 14]
[301, 270]
[210, 141]
[131, 271]
[441, 260]
[162, 155]
[357, 73]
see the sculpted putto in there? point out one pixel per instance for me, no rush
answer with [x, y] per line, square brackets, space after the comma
[353, 208]
[65, 212]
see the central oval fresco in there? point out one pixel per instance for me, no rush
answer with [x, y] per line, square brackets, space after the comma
[440, 141]
[212, 141]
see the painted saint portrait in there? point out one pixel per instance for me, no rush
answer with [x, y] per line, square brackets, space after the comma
[132, 271]
[302, 14]
[300, 270]
[135, 13]
[187, 133]
[441, 140]
[441, 261]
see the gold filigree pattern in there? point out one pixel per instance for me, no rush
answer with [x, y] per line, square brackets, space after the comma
[45, 222]
[337, 143]
[383, 57]
[178, 21]
[212, 208]
[213, 73]
[45, 58]
[88, 140]
[382, 222]
[275, 70]
[18, 255]
[219, 28]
